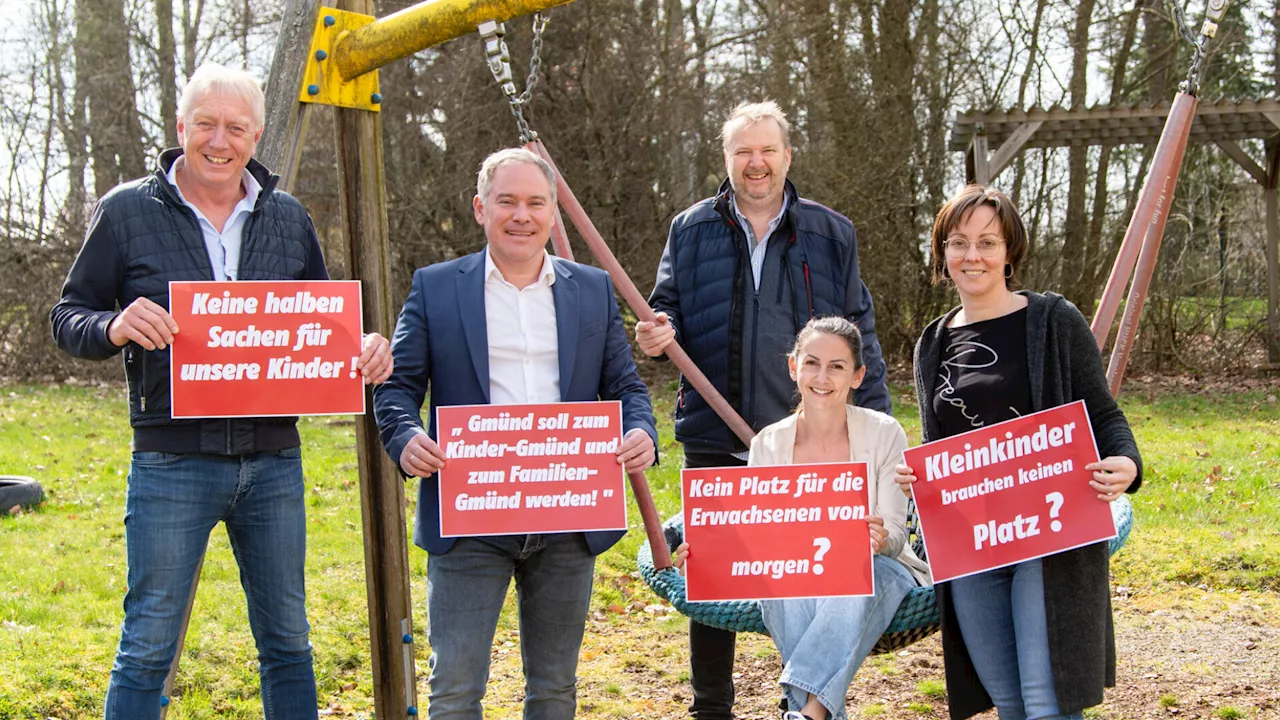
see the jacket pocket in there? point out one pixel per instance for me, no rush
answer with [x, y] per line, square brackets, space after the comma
[155, 459]
[135, 375]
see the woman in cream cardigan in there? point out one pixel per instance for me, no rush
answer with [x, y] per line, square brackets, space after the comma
[824, 640]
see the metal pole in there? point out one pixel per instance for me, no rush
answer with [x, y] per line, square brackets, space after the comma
[421, 26]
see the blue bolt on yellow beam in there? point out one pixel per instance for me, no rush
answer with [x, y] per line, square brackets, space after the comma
[364, 49]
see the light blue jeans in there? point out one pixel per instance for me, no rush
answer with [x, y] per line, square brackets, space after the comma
[466, 587]
[1002, 620]
[823, 641]
[172, 504]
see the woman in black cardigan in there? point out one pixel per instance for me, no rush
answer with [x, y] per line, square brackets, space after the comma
[1035, 639]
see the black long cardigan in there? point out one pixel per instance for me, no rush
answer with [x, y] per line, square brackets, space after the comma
[1064, 365]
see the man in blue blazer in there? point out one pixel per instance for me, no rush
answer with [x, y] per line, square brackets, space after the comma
[509, 324]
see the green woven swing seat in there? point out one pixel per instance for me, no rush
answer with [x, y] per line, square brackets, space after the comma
[917, 616]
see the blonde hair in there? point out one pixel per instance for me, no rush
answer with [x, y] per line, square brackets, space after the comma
[751, 113]
[212, 78]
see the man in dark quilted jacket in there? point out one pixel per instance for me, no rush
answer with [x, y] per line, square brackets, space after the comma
[741, 273]
[209, 212]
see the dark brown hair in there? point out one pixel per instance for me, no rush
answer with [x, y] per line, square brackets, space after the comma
[832, 325]
[958, 208]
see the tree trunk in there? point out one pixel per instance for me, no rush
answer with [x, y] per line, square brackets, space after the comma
[1033, 48]
[1095, 263]
[888, 243]
[75, 137]
[1160, 45]
[1075, 233]
[166, 70]
[190, 34]
[104, 67]
[678, 175]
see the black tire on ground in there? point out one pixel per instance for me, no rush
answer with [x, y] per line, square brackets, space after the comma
[18, 490]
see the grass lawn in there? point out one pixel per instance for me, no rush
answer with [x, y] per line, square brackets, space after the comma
[1207, 534]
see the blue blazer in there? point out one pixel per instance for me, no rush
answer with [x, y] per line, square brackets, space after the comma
[441, 344]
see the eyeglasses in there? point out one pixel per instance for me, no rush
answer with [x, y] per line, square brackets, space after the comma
[987, 247]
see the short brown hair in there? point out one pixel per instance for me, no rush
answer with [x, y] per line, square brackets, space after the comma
[954, 212]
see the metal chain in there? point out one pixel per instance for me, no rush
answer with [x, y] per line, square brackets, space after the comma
[535, 57]
[499, 61]
[1180, 22]
[1191, 85]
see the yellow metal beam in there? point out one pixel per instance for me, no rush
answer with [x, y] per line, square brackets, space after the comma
[415, 28]
[322, 83]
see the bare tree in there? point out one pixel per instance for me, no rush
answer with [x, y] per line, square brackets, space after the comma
[166, 70]
[104, 68]
[1074, 254]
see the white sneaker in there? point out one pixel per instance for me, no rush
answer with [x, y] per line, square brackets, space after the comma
[793, 715]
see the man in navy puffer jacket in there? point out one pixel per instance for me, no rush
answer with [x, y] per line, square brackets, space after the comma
[742, 272]
[209, 212]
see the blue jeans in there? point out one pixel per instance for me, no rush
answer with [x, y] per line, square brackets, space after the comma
[1002, 620]
[823, 641]
[466, 587]
[711, 650]
[173, 502]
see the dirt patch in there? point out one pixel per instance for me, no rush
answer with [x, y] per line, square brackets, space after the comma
[1173, 663]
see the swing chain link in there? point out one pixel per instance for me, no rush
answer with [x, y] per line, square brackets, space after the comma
[1214, 11]
[499, 61]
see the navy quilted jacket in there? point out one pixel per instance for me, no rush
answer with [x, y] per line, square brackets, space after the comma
[140, 237]
[705, 285]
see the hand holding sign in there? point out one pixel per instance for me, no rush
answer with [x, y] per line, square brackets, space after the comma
[1112, 476]
[879, 536]
[636, 453]
[421, 456]
[145, 323]
[904, 476]
[375, 363]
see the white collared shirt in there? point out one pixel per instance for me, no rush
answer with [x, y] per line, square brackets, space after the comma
[757, 246]
[524, 354]
[223, 246]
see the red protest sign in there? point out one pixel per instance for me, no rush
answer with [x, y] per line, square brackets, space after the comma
[786, 531]
[256, 349]
[515, 469]
[1010, 492]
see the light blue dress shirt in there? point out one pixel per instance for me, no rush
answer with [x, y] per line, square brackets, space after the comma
[224, 245]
